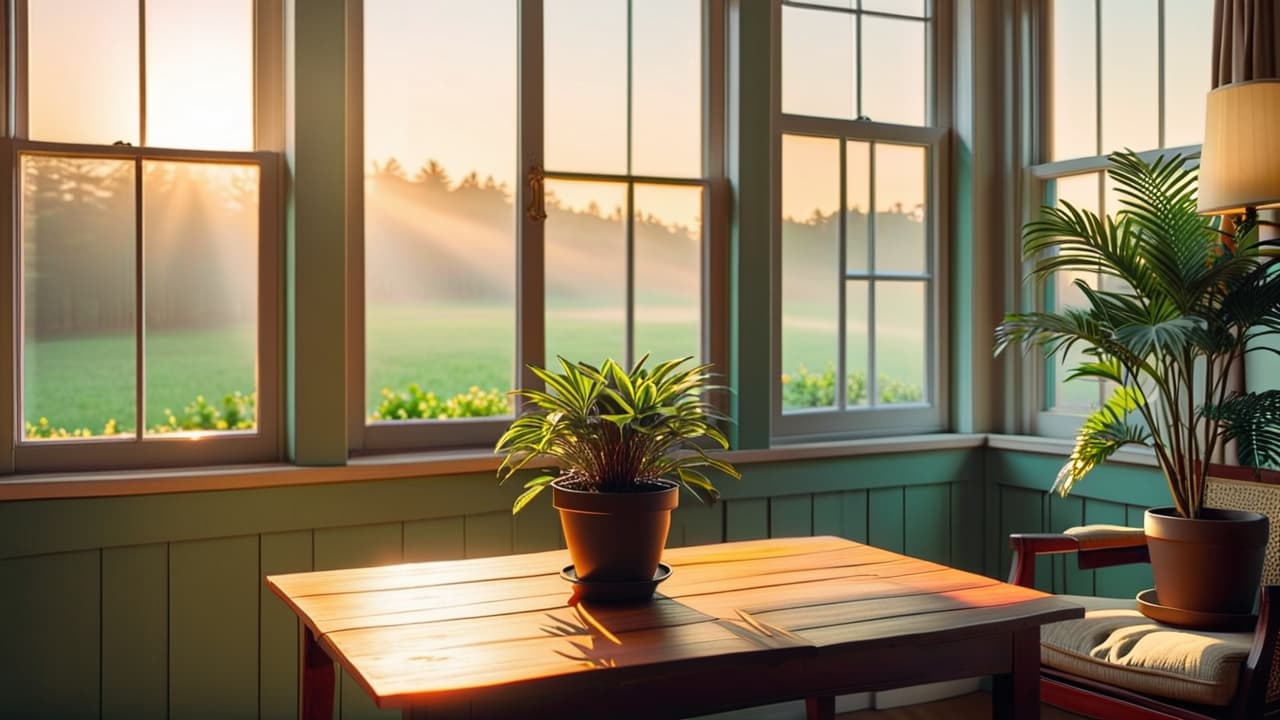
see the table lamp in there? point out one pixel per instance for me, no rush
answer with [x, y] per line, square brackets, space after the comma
[1240, 158]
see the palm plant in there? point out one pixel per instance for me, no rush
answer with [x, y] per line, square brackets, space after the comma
[617, 431]
[1195, 298]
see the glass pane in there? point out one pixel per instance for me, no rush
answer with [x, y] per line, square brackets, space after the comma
[810, 276]
[585, 85]
[586, 271]
[200, 74]
[901, 343]
[893, 75]
[439, 213]
[915, 8]
[1082, 192]
[900, 208]
[82, 74]
[1188, 53]
[1130, 81]
[1074, 69]
[857, 330]
[200, 254]
[857, 184]
[666, 88]
[668, 271]
[818, 50]
[78, 319]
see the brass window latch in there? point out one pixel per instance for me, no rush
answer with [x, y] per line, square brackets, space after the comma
[536, 180]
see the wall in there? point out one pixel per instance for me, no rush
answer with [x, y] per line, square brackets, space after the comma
[154, 605]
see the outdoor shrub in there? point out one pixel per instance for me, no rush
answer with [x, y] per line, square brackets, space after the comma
[417, 404]
[805, 388]
[236, 413]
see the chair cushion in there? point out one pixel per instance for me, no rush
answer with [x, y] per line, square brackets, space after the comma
[1117, 645]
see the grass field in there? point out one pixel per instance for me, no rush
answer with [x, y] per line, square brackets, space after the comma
[83, 382]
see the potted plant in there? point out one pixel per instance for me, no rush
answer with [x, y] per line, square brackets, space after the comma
[625, 442]
[1189, 298]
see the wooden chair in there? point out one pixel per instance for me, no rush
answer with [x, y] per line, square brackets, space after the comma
[1116, 663]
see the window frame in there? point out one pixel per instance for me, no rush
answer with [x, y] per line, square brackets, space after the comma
[366, 437]
[876, 420]
[265, 442]
[1038, 413]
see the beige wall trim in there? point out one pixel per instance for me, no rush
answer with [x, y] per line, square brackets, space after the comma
[385, 467]
[1062, 448]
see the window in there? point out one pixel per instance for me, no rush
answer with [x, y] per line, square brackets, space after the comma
[859, 152]
[1122, 74]
[538, 191]
[147, 236]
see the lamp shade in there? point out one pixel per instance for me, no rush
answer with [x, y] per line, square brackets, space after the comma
[1240, 158]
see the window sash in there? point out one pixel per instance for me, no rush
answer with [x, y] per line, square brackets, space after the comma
[379, 436]
[263, 443]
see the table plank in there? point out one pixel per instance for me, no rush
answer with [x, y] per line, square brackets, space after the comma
[438, 633]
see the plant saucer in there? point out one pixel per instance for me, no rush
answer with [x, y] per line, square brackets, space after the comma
[612, 591]
[1149, 605]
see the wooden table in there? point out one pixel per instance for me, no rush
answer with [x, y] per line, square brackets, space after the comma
[736, 625]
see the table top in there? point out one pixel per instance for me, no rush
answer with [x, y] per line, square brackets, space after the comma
[433, 632]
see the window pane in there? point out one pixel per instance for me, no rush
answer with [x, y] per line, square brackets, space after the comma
[810, 270]
[200, 260]
[1082, 192]
[82, 75]
[893, 74]
[439, 213]
[666, 88]
[668, 271]
[200, 74]
[818, 49]
[1188, 52]
[1130, 83]
[857, 330]
[585, 79]
[586, 271]
[900, 208]
[901, 342]
[898, 7]
[1074, 69]
[857, 183]
[78, 319]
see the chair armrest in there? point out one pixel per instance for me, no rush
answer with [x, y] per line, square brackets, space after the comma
[1261, 663]
[1095, 546]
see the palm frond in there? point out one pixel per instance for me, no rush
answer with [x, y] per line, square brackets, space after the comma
[1104, 432]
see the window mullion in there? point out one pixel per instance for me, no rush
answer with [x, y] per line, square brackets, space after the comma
[139, 307]
[142, 73]
[629, 342]
[531, 231]
[842, 284]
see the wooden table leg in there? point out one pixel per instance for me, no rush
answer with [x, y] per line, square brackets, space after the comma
[1016, 696]
[820, 708]
[315, 681]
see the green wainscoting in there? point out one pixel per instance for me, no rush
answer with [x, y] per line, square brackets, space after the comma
[1018, 500]
[154, 605]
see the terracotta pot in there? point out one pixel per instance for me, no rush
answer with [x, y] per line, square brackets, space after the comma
[1210, 564]
[616, 537]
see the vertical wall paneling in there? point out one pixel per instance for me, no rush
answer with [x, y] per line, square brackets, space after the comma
[968, 521]
[1140, 577]
[489, 534]
[213, 628]
[285, 552]
[358, 546]
[927, 522]
[1066, 512]
[695, 523]
[535, 529]
[1112, 581]
[1021, 511]
[746, 519]
[885, 518]
[791, 516]
[49, 635]
[828, 514]
[435, 539]
[855, 515]
[135, 631]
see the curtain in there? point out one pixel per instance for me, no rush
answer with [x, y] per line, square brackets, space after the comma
[1245, 46]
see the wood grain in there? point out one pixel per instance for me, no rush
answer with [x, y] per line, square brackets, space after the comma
[784, 617]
